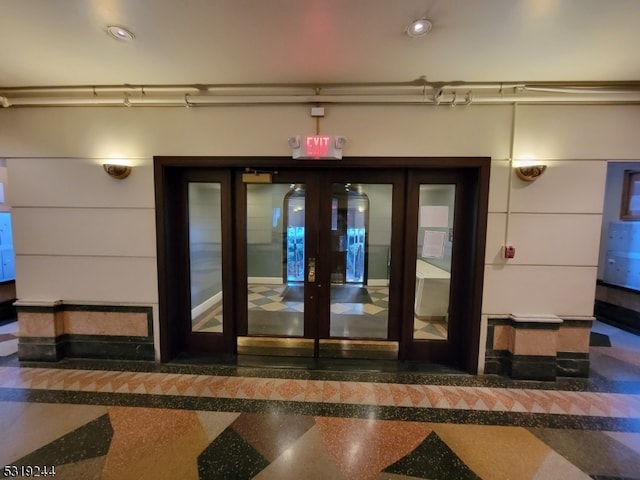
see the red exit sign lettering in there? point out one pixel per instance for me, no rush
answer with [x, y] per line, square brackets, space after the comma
[317, 146]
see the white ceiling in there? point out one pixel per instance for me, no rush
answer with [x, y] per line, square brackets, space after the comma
[180, 42]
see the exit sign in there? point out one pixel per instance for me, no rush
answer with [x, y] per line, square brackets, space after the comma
[317, 147]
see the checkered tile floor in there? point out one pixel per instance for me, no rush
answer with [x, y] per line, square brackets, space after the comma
[269, 298]
[429, 329]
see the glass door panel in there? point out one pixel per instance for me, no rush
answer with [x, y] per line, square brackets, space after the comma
[275, 259]
[319, 266]
[433, 264]
[205, 256]
[360, 255]
[294, 201]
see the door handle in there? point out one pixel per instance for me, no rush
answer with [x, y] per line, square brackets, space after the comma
[311, 270]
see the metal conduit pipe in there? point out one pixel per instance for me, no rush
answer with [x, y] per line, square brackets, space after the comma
[578, 90]
[442, 98]
[248, 89]
[415, 87]
[333, 87]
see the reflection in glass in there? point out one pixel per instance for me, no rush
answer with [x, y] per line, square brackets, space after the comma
[360, 246]
[433, 265]
[294, 211]
[349, 218]
[205, 257]
[275, 259]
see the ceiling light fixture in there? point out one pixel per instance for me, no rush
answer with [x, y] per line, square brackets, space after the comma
[419, 28]
[120, 33]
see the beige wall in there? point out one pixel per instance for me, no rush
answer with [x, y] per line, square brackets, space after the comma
[82, 236]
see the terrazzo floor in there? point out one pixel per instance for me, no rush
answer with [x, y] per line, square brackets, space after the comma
[126, 420]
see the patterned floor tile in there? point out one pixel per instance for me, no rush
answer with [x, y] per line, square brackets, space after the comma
[83, 470]
[92, 440]
[269, 299]
[230, 456]
[214, 423]
[271, 435]
[595, 453]
[393, 476]
[169, 443]
[339, 392]
[429, 329]
[629, 439]
[334, 429]
[556, 466]
[372, 309]
[432, 459]
[479, 447]
[154, 443]
[8, 344]
[341, 308]
[210, 321]
[306, 459]
[362, 448]
[29, 426]
[612, 364]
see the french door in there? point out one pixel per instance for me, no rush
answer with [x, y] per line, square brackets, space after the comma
[322, 263]
[350, 262]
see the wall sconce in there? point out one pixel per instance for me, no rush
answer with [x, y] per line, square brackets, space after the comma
[529, 173]
[118, 171]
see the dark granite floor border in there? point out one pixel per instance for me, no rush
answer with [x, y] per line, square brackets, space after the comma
[433, 415]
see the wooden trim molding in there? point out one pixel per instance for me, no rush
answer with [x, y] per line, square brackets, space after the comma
[629, 191]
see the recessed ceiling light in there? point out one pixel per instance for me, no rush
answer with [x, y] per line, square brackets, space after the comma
[419, 27]
[120, 33]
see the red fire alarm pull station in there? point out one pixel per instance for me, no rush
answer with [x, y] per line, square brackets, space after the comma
[509, 251]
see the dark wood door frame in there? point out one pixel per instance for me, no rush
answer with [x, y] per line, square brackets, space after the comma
[467, 268]
[170, 184]
[172, 219]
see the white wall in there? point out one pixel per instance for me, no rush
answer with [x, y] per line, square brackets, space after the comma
[83, 236]
[554, 222]
[80, 235]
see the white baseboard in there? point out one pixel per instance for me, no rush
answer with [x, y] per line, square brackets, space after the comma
[265, 280]
[206, 305]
